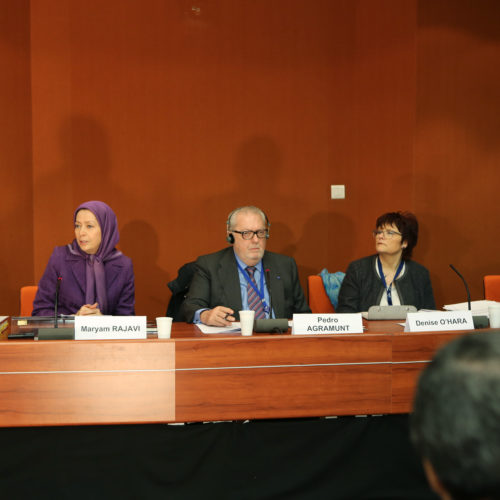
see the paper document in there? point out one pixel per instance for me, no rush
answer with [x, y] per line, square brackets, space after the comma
[234, 328]
[478, 307]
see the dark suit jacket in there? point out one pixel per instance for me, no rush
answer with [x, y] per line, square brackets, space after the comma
[362, 287]
[216, 283]
[119, 285]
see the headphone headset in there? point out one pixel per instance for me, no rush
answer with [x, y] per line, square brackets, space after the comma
[230, 236]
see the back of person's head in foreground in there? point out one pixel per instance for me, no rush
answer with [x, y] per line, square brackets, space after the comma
[455, 424]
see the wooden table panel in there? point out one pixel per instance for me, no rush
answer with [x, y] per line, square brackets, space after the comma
[61, 355]
[87, 398]
[404, 381]
[283, 392]
[420, 346]
[78, 382]
[282, 350]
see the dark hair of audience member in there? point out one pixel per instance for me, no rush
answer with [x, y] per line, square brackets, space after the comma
[455, 423]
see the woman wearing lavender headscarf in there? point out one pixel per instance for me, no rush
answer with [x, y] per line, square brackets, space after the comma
[94, 277]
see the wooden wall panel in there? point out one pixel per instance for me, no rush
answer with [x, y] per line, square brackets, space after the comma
[176, 117]
[176, 112]
[16, 205]
[457, 150]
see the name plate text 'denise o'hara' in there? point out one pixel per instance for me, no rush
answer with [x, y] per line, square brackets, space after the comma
[438, 321]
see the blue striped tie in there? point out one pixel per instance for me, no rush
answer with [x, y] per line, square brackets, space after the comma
[254, 302]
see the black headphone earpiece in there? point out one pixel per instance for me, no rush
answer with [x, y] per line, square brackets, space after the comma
[230, 238]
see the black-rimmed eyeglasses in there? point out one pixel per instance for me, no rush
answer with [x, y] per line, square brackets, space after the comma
[248, 235]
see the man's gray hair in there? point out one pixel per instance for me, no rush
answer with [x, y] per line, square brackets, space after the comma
[247, 208]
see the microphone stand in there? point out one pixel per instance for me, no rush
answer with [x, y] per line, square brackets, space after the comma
[479, 321]
[270, 325]
[55, 332]
[56, 305]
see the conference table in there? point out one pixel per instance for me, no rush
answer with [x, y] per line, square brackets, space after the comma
[194, 377]
[263, 417]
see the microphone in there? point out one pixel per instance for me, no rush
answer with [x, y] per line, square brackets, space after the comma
[55, 332]
[56, 304]
[270, 325]
[465, 283]
[479, 321]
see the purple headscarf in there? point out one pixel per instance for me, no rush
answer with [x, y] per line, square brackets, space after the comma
[96, 278]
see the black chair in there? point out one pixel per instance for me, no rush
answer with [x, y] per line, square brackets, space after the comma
[179, 288]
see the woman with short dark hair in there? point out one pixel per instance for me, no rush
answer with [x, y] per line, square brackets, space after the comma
[389, 277]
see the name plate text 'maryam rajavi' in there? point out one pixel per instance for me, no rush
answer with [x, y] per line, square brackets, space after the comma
[110, 327]
[318, 324]
[437, 321]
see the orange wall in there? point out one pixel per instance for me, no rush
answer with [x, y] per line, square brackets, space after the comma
[16, 199]
[456, 145]
[174, 116]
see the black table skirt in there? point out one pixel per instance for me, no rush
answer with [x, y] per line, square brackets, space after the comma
[342, 458]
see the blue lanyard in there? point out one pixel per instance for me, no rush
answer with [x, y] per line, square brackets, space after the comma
[252, 284]
[388, 289]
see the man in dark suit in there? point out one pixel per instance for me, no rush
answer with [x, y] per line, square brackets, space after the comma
[244, 276]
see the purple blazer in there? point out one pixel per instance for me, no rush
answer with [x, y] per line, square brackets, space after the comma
[71, 268]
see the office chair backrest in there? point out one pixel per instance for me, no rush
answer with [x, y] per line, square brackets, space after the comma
[179, 288]
[318, 299]
[492, 287]
[27, 297]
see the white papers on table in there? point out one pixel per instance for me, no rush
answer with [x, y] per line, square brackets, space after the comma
[478, 307]
[233, 328]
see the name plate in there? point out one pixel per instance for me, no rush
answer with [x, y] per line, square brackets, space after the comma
[439, 321]
[320, 324]
[110, 327]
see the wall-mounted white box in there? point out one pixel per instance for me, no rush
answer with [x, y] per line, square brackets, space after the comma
[338, 192]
